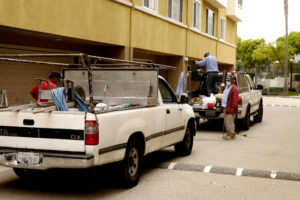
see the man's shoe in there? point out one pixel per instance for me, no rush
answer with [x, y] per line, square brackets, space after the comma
[226, 137]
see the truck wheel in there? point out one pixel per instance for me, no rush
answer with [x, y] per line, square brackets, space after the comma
[197, 120]
[132, 163]
[185, 147]
[246, 120]
[259, 116]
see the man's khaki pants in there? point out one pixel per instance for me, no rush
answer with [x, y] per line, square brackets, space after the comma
[229, 123]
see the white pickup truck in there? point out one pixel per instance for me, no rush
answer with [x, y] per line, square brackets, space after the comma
[250, 101]
[142, 115]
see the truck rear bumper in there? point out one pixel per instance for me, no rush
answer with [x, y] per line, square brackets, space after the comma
[47, 160]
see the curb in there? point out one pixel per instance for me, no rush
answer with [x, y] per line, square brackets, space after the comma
[231, 171]
[281, 106]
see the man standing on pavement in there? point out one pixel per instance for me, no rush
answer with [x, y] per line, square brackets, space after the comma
[53, 80]
[230, 105]
[211, 65]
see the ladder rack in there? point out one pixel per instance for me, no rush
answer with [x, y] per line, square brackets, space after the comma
[88, 62]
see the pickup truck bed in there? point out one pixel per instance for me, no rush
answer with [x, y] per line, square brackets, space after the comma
[250, 100]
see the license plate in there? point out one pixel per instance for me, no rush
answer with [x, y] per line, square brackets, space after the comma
[28, 158]
[210, 113]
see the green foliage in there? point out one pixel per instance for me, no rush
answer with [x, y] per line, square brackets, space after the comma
[294, 41]
[251, 74]
[280, 50]
[245, 50]
[263, 54]
[279, 91]
[275, 90]
[252, 53]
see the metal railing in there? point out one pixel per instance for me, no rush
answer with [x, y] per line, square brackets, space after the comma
[88, 62]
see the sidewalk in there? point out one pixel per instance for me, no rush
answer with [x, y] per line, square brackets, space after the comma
[282, 100]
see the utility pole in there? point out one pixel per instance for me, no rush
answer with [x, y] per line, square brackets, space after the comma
[285, 89]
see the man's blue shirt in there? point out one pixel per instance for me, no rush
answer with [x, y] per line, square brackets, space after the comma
[210, 62]
[225, 96]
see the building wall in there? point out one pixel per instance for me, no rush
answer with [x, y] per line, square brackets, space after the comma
[114, 28]
[91, 20]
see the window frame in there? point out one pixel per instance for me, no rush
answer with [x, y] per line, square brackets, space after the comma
[194, 14]
[170, 10]
[155, 5]
[243, 83]
[224, 19]
[213, 22]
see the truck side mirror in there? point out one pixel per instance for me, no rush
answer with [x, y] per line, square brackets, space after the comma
[183, 99]
[259, 87]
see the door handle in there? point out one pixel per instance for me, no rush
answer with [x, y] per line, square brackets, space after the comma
[168, 111]
[180, 109]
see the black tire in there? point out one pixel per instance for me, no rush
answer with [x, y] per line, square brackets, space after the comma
[185, 147]
[246, 120]
[197, 120]
[132, 163]
[259, 116]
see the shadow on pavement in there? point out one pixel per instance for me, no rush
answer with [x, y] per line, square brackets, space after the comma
[217, 125]
[80, 182]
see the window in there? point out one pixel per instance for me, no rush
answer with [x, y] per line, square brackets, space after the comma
[175, 9]
[151, 4]
[222, 28]
[242, 83]
[166, 93]
[210, 22]
[250, 82]
[197, 14]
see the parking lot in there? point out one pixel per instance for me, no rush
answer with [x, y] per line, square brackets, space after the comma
[262, 163]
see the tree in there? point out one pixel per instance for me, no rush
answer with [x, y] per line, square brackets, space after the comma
[294, 42]
[285, 88]
[264, 55]
[245, 49]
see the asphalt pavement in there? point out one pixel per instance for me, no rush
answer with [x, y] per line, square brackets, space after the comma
[262, 163]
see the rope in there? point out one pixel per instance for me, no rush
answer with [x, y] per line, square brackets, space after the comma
[81, 104]
[59, 98]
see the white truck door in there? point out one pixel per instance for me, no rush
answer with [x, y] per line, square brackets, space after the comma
[174, 121]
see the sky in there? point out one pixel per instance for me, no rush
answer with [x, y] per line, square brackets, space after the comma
[265, 19]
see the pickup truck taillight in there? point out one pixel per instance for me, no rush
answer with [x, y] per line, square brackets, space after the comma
[240, 101]
[91, 133]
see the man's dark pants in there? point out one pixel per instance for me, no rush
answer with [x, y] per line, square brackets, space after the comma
[211, 79]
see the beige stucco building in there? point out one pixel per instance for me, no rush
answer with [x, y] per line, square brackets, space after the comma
[171, 32]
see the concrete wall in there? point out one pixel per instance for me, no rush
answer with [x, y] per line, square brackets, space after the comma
[120, 29]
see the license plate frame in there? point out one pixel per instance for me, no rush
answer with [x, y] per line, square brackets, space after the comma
[210, 113]
[28, 158]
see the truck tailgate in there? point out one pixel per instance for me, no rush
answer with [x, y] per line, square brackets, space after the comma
[57, 131]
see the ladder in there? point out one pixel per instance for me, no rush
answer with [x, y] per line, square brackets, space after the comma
[3, 99]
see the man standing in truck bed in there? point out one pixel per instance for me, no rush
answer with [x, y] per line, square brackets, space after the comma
[211, 65]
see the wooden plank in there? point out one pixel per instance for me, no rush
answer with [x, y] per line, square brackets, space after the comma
[18, 108]
[52, 108]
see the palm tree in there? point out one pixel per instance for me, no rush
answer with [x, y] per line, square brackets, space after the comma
[285, 89]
